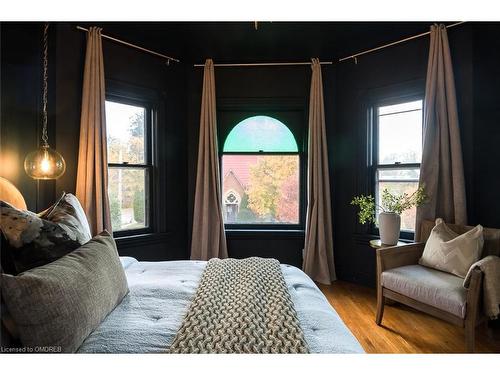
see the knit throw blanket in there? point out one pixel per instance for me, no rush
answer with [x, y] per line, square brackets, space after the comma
[241, 306]
[490, 266]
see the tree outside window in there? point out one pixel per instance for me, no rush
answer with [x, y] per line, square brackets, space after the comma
[261, 166]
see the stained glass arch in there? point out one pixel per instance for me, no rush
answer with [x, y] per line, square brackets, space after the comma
[260, 134]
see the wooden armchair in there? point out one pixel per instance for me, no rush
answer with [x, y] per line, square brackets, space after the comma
[400, 278]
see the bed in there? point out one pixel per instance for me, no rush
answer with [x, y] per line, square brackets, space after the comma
[160, 293]
[148, 318]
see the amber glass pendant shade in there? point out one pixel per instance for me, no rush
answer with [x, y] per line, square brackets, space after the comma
[44, 164]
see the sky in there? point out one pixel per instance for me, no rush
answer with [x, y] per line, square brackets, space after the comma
[118, 118]
[400, 133]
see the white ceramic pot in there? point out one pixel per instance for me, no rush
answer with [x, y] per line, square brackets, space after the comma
[389, 225]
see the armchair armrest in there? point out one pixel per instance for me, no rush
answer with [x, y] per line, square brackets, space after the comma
[398, 256]
[393, 257]
[473, 293]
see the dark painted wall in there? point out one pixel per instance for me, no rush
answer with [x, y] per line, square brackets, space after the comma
[485, 184]
[21, 88]
[475, 50]
[399, 69]
[355, 83]
[128, 67]
[20, 119]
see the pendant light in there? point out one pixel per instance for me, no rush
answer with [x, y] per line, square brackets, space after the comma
[44, 163]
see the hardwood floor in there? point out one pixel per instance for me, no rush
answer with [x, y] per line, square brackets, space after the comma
[403, 330]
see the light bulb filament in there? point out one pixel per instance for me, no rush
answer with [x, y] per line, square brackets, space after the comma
[45, 165]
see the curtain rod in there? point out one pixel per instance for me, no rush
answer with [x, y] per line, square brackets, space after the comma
[340, 60]
[394, 43]
[267, 64]
[168, 58]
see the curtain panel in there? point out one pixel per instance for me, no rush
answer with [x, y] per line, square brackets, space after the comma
[208, 238]
[318, 251]
[441, 171]
[92, 172]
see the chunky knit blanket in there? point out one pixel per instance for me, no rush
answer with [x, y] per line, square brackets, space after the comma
[241, 306]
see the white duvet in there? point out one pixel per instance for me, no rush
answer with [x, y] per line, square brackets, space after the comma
[148, 318]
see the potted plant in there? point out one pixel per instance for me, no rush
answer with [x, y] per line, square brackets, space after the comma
[391, 208]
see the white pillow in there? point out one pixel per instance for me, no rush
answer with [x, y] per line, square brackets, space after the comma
[450, 252]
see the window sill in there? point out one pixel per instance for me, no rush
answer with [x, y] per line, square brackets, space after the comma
[141, 239]
[265, 233]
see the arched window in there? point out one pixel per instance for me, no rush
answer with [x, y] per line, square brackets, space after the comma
[261, 166]
[260, 134]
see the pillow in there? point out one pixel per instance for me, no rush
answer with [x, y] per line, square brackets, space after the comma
[59, 304]
[6, 262]
[68, 211]
[8, 330]
[33, 240]
[447, 251]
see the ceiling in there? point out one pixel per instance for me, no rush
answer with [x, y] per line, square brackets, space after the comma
[272, 41]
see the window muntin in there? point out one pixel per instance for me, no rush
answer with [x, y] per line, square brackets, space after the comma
[129, 165]
[399, 152]
[261, 174]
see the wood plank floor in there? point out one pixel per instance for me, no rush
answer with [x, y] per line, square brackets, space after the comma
[404, 329]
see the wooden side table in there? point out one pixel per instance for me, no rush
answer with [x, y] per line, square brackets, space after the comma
[377, 244]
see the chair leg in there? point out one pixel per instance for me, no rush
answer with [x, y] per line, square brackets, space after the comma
[380, 306]
[470, 332]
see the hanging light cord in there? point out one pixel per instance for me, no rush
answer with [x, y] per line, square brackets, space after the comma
[45, 137]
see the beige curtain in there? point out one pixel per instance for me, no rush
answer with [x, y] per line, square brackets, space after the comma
[318, 251]
[92, 173]
[442, 169]
[208, 239]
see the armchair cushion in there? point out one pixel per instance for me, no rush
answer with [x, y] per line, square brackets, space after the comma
[439, 289]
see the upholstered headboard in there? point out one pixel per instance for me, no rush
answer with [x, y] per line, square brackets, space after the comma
[10, 194]
[491, 236]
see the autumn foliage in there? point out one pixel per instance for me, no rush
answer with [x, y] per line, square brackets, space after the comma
[273, 188]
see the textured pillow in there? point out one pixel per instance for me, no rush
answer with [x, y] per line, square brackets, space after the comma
[9, 334]
[59, 304]
[6, 262]
[68, 211]
[447, 251]
[33, 240]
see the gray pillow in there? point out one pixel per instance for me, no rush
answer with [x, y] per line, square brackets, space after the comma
[59, 304]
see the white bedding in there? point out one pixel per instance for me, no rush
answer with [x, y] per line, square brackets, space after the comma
[148, 318]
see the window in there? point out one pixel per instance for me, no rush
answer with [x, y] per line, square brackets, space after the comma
[261, 173]
[128, 128]
[398, 152]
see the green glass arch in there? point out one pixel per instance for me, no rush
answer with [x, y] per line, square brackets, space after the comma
[260, 134]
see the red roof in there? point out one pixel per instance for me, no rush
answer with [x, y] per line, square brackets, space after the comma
[239, 165]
